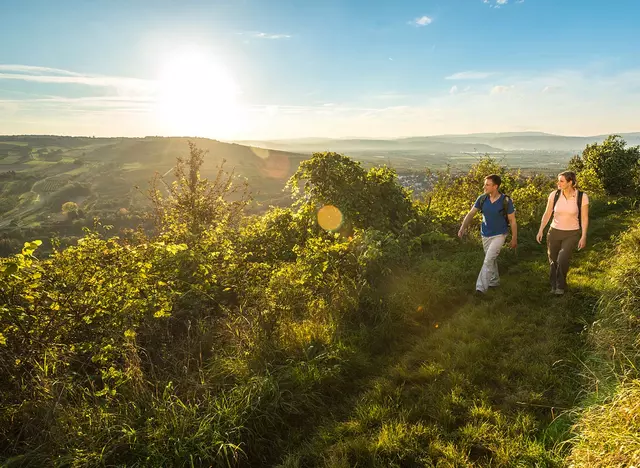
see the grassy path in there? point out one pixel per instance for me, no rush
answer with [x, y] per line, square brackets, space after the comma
[475, 382]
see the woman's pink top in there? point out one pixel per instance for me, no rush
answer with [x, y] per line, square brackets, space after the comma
[565, 214]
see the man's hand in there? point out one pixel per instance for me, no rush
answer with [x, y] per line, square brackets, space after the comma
[583, 243]
[539, 237]
[461, 232]
[514, 243]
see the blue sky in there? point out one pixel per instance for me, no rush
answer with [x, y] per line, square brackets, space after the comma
[239, 69]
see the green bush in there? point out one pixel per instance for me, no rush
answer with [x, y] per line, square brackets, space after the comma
[366, 199]
[454, 194]
[208, 341]
[609, 167]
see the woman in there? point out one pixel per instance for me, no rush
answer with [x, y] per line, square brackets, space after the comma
[566, 227]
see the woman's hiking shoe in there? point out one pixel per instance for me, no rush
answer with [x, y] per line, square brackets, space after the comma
[558, 292]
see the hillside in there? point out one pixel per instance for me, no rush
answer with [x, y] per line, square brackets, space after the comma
[427, 145]
[480, 142]
[339, 331]
[38, 174]
[136, 159]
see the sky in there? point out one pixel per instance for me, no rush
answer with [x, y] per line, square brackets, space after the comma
[252, 69]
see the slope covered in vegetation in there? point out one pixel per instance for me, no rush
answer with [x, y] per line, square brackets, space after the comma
[337, 332]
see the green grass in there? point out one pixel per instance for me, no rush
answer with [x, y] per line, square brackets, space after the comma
[609, 433]
[490, 382]
[39, 164]
[131, 166]
[11, 159]
[78, 170]
[606, 428]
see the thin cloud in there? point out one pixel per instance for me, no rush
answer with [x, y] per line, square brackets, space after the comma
[453, 90]
[59, 76]
[501, 89]
[12, 68]
[499, 3]
[470, 75]
[551, 89]
[99, 81]
[423, 21]
[98, 104]
[390, 95]
[264, 35]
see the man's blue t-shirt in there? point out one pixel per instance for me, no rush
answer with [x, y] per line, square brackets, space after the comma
[493, 222]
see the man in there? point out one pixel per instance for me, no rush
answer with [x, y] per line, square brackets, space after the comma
[498, 213]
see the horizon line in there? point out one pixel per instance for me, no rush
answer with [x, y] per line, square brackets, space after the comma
[524, 133]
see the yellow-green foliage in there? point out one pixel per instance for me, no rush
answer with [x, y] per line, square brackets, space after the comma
[202, 343]
[367, 199]
[618, 325]
[454, 195]
[609, 167]
[609, 433]
[219, 340]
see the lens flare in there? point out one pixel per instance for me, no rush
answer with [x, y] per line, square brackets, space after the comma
[329, 218]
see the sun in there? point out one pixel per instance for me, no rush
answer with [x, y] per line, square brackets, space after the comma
[197, 97]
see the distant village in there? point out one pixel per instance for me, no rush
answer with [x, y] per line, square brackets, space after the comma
[418, 182]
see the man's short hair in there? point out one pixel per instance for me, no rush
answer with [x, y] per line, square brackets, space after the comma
[495, 178]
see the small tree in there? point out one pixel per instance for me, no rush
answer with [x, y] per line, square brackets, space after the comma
[70, 209]
[192, 205]
[608, 166]
[366, 199]
[69, 206]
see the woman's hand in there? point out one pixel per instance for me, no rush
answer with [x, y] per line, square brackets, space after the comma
[539, 237]
[583, 243]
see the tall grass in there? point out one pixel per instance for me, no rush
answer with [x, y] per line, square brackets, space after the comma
[607, 432]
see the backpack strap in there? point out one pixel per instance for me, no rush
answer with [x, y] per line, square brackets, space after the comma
[580, 208]
[556, 198]
[482, 200]
[505, 207]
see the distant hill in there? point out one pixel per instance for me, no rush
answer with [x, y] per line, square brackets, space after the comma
[475, 142]
[358, 145]
[38, 173]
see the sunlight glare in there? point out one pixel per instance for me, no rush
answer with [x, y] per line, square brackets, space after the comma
[197, 97]
[330, 218]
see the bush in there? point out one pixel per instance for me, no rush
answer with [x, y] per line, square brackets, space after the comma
[365, 199]
[210, 340]
[609, 167]
[453, 195]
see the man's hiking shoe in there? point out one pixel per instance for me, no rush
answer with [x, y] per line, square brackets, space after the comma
[480, 295]
[558, 292]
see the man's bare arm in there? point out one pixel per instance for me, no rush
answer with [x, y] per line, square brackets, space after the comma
[467, 220]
